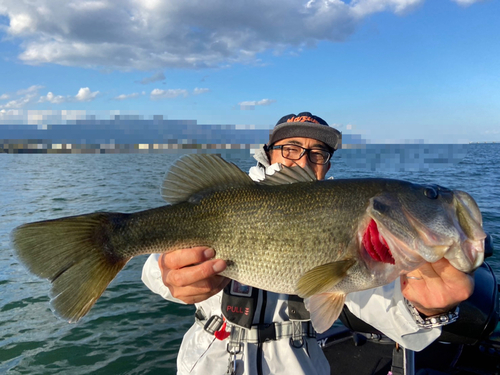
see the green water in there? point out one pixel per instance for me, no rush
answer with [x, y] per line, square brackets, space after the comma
[130, 330]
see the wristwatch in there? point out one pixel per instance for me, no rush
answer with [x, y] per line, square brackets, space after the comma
[434, 320]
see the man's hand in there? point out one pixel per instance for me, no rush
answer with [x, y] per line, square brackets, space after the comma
[191, 274]
[436, 288]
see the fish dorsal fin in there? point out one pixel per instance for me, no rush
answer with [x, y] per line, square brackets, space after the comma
[290, 175]
[194, 173]
[322, 279]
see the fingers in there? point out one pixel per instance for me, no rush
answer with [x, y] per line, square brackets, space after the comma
[186, 257]
[458, 283]
[195, 294]
[436, 287]
[191, 274]
[431, 271]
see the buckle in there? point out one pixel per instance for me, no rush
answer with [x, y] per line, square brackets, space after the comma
[297, 343]
[266, 332]
[214, 323]
[199, 314]
[232, 348]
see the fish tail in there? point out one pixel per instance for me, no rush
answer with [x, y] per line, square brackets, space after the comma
[75, 254]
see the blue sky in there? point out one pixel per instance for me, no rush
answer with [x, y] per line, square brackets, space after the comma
[387, 69]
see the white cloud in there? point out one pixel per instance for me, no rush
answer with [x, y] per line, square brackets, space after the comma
[466, 2]
[51, 98]
[88, 5]
[4, 96]
[17, 103]
[24, 97]
[127, 96]
[30, 90]
[154, 34]
[154, 78]
[199, 91]
[251, 104]
[21, 23]
[167, 94]
[363, 8]
[85, 95]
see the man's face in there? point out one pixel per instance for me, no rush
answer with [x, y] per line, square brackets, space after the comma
[318, 169]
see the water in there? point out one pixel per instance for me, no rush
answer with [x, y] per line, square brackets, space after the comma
[131, 330]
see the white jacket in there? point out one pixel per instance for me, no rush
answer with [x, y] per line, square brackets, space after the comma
[201, 353]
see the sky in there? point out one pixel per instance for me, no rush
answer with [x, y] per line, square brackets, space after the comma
[390, 70]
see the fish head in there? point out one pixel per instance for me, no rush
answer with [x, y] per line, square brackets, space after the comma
[413, 224]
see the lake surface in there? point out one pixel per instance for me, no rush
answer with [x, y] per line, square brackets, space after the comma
[131, 330]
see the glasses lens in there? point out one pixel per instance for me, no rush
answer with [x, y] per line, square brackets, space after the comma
[291, 152]
[319, 156]
[315, 156]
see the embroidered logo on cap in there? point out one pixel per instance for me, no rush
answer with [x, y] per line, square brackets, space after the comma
[302, 119]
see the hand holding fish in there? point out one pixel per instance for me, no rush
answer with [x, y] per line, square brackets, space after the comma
[191, 274]
[436, 288]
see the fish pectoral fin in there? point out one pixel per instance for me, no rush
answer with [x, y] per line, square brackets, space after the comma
[325, 309]
[323, 278]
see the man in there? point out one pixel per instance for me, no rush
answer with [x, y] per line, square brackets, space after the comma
[268, 333]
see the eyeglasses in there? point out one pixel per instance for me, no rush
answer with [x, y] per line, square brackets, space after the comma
[294, 152]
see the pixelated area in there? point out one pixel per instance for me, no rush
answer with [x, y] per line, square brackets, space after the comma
[85, 132]
[404, 156]
[79, 132]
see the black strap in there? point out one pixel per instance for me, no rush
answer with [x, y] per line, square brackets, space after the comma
[398, 361]
[260, 352]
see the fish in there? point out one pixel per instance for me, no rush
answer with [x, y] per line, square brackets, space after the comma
[288, 234]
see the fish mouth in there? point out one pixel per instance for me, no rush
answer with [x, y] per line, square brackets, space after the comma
[375, 244]
[468, 257]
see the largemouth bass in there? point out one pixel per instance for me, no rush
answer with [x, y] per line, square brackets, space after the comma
[289, 234]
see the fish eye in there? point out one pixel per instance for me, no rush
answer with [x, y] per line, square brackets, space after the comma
[431, 192]
[380, 207]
